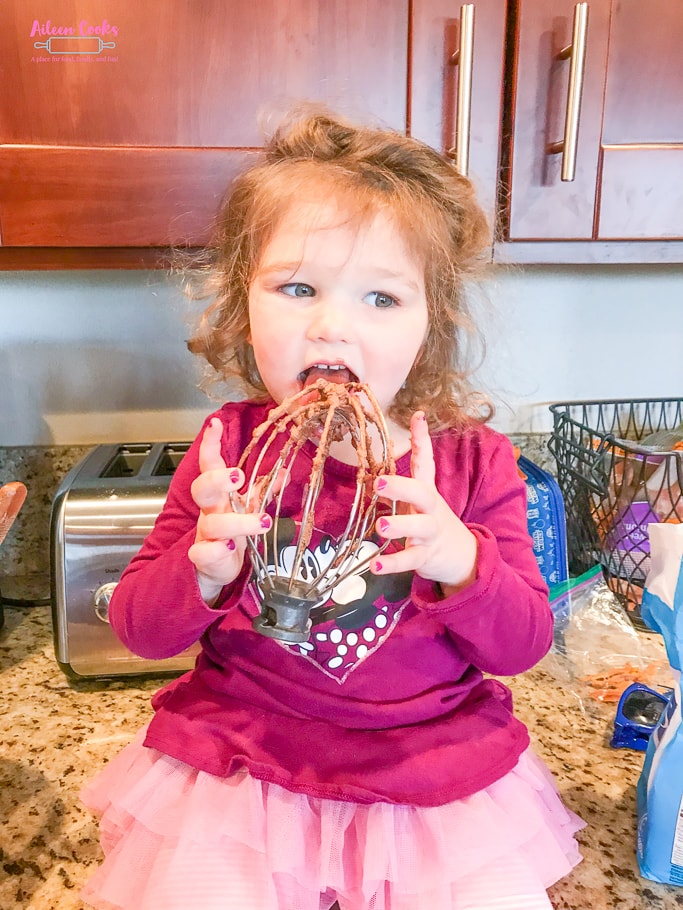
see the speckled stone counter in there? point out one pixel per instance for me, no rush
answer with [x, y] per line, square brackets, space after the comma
[26, 549]
[55, 734]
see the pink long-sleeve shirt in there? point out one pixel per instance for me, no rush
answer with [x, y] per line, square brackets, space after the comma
[391, 698]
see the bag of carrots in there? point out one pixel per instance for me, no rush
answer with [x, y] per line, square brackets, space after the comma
[597, 651]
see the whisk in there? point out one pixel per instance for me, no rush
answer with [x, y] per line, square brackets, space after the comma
[322, 413]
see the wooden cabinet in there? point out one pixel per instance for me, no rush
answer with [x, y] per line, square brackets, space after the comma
[136, 121]
[440, 86]
[125, 121]
[626, 199]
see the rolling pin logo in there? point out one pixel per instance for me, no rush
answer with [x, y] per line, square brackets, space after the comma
[84, 38]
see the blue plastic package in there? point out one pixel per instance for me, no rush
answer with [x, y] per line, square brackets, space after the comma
[546, 521]
[660, 786]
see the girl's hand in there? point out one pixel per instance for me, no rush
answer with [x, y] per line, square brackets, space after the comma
[220, 540]
[438, 546]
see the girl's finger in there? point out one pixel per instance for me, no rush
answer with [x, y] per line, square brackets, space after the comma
[229, 525]
[209, 555]
[217, 563]
[420, 496]
[419, 527]
[408, 560]
[212, 487]
[422, 465]
[210, 458]
[210, 490]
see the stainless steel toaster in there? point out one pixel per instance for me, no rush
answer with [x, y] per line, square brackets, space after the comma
[101, 513]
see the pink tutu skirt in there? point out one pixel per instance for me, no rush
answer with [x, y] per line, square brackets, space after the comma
[179, 839]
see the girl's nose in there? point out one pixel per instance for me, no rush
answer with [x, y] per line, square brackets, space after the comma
[330, 321]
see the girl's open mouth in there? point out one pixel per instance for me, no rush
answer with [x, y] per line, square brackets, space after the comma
[337, 373]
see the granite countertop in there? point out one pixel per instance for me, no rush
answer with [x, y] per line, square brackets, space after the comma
[56, 734]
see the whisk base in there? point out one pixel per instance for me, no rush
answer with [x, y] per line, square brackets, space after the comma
[284, 617]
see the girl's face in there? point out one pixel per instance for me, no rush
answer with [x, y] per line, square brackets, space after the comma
[334, 300]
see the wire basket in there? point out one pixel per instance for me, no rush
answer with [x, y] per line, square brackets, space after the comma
[619, 472]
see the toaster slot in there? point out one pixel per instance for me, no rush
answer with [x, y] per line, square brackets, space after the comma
[127, 461]
[169, 459]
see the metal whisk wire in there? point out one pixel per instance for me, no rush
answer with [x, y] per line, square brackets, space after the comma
[323, 412]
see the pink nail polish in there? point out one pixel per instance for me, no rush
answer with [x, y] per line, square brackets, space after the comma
[377, 566]
[383, 525]
[234, 476]
[381, 483]
[266, 522]
[230, 544]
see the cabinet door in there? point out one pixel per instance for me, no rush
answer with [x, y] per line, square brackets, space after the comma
[437, 29]
[629, 155]
[541, 205]
[126, 121]
[641, 191]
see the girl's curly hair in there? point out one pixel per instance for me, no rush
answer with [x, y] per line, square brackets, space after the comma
[316, 155]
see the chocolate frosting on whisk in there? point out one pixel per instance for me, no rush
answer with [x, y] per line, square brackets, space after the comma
[323, 413]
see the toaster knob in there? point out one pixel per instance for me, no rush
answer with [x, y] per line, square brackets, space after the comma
[102, 598]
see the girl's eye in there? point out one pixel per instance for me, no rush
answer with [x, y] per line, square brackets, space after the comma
[380, 300]
[296, 289]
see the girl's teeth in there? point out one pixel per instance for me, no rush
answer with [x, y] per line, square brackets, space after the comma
[331, 372]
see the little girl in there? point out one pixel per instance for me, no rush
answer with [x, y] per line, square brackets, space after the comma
[378, 764]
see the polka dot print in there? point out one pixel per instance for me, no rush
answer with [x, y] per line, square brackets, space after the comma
[345, 649]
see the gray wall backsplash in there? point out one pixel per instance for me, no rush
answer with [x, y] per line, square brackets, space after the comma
[25, 552]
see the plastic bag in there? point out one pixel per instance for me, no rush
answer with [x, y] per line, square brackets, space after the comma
[597, 653]
[660, 786]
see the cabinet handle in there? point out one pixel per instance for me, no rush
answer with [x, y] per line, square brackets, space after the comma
[463, 58]
[576, 52]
